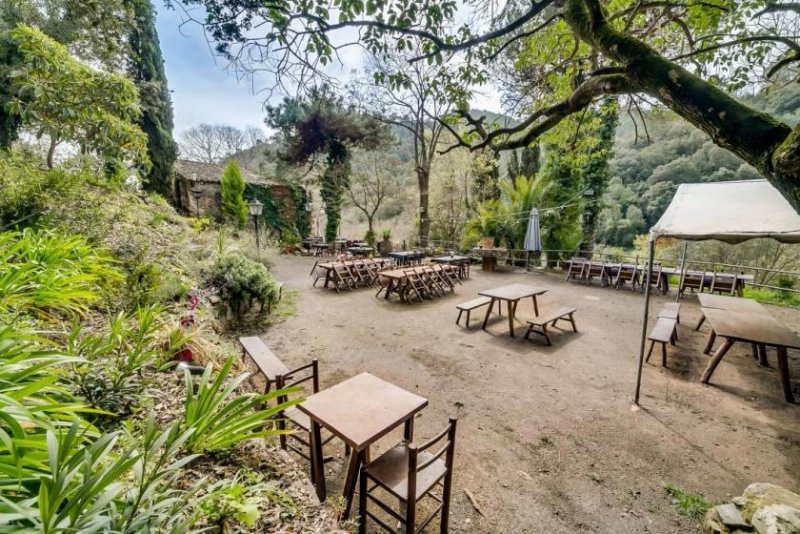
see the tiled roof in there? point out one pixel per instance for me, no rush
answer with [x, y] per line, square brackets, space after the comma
[209, 172]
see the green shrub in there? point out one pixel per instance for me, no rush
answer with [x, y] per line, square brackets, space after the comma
[692, 505]
[240, 281]
[234, 208]
[219, 418]
[44, 273]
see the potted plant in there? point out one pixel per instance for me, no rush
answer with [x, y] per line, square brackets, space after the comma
[385, 246]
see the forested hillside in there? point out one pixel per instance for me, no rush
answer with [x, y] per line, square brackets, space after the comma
[645, 172]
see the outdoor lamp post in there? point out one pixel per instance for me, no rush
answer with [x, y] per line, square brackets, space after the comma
[196, 193]
[255, 208]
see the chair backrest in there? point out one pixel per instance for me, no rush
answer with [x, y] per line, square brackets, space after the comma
[446, 449]
[723, 282]
[300, 376]
[656, 279]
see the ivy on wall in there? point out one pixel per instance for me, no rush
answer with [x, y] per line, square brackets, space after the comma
[272, 213]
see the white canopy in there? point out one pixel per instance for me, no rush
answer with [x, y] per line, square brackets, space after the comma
[729, 211]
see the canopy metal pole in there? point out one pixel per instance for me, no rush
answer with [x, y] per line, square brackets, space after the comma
[644, 321]
[682, 272]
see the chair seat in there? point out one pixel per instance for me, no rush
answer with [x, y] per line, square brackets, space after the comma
[299, 418]
[391, 471]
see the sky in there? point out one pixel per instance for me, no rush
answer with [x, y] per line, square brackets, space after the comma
[204, 91]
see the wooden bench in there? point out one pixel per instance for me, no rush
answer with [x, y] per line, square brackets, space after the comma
[268, 364]
[552, 317]
[663, 332]
[473, 305]
[671, 310]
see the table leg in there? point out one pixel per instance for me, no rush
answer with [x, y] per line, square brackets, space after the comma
[357, 459]
[762, 355]
[389, 288]
[710, 338]
[511, 317]
[488, 312]
[408, 430]
[317, 462]
[700, 322]
[535, 306]
[712, 365]
[783, 372]
[327, 277]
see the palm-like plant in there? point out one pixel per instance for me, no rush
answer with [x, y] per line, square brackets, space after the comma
[220, 419]
[506, 219]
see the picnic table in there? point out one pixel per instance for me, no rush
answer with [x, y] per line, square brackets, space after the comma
[330, 265]
[748, 323]
[511, 294]
[319, 248]
[405, 257]
[359, 411]
[461, 261]
[397, 278]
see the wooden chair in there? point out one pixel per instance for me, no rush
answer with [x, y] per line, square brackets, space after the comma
[319, 273]
[409, 473]
[451, 274]
[343, 277]
[415, 285]
[576, 269]
[298, 441]
[627, 274]
[438, 286]
[655, 281]
[362, 273]
[723, 283]
[692, 281]
[596, 270]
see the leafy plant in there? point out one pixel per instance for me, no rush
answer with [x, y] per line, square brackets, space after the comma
[219, 418]
[387, 234]
[239, 500]
[240, 281]
[234, 208]
[44, 273]
[692, 505]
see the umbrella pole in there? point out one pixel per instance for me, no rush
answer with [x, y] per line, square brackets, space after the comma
[683, 271]
[644, 322]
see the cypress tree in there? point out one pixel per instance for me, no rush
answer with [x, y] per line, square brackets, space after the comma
[146, 68]
[234, 208]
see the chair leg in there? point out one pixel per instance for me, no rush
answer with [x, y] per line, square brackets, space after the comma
[411, 516]
[362, 501]
[650, 352]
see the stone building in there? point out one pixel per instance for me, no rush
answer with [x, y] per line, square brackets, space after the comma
[285, 204]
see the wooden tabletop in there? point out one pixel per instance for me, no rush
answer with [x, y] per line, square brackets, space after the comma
[400, 274]
[719, 302]
[751, 327]
[362, 409]
[349, 263]
[513, 292]
[451, 259]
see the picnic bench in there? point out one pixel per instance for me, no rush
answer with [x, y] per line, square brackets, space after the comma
[671, 310]
[511, 294]
[664, 331]
[473, 305]
[267, 363]
[552, 317]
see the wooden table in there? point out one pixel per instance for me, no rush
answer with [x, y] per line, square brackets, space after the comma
[397, 278]
[719, 302]
[404, 257]
[756, 327]
[359, 411]
[329, 266]
[512, 294]
[360, 251]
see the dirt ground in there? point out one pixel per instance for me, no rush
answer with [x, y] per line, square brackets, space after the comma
[547, 440]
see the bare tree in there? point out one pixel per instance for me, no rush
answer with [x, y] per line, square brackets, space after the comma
[213, 143]
[411, 97]
[374, 176]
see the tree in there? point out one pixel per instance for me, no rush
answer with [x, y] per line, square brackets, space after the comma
[410, 96]
[234, 208]
[94, 32]
[526, 165]
[146, 69]
[596, 173]
[214, 143]
[689, 56]
[68, 101]
[373, 177]
[322, 124]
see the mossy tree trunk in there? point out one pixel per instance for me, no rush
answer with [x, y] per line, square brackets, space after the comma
[767, 144]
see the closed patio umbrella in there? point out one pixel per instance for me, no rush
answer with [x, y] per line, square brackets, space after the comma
[533, 237]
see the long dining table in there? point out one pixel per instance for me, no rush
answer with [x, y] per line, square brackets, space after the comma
[330, 265]
[744, 320]
[397, 278]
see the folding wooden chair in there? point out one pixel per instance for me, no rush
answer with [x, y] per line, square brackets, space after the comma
[596, 270]
[655, 281]
[451, 273]
[410, 472]
[627, 274]
[432, 280]
[692, 281]
[576, 269]
[343, 277]
[723, 283]
[415, 285]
